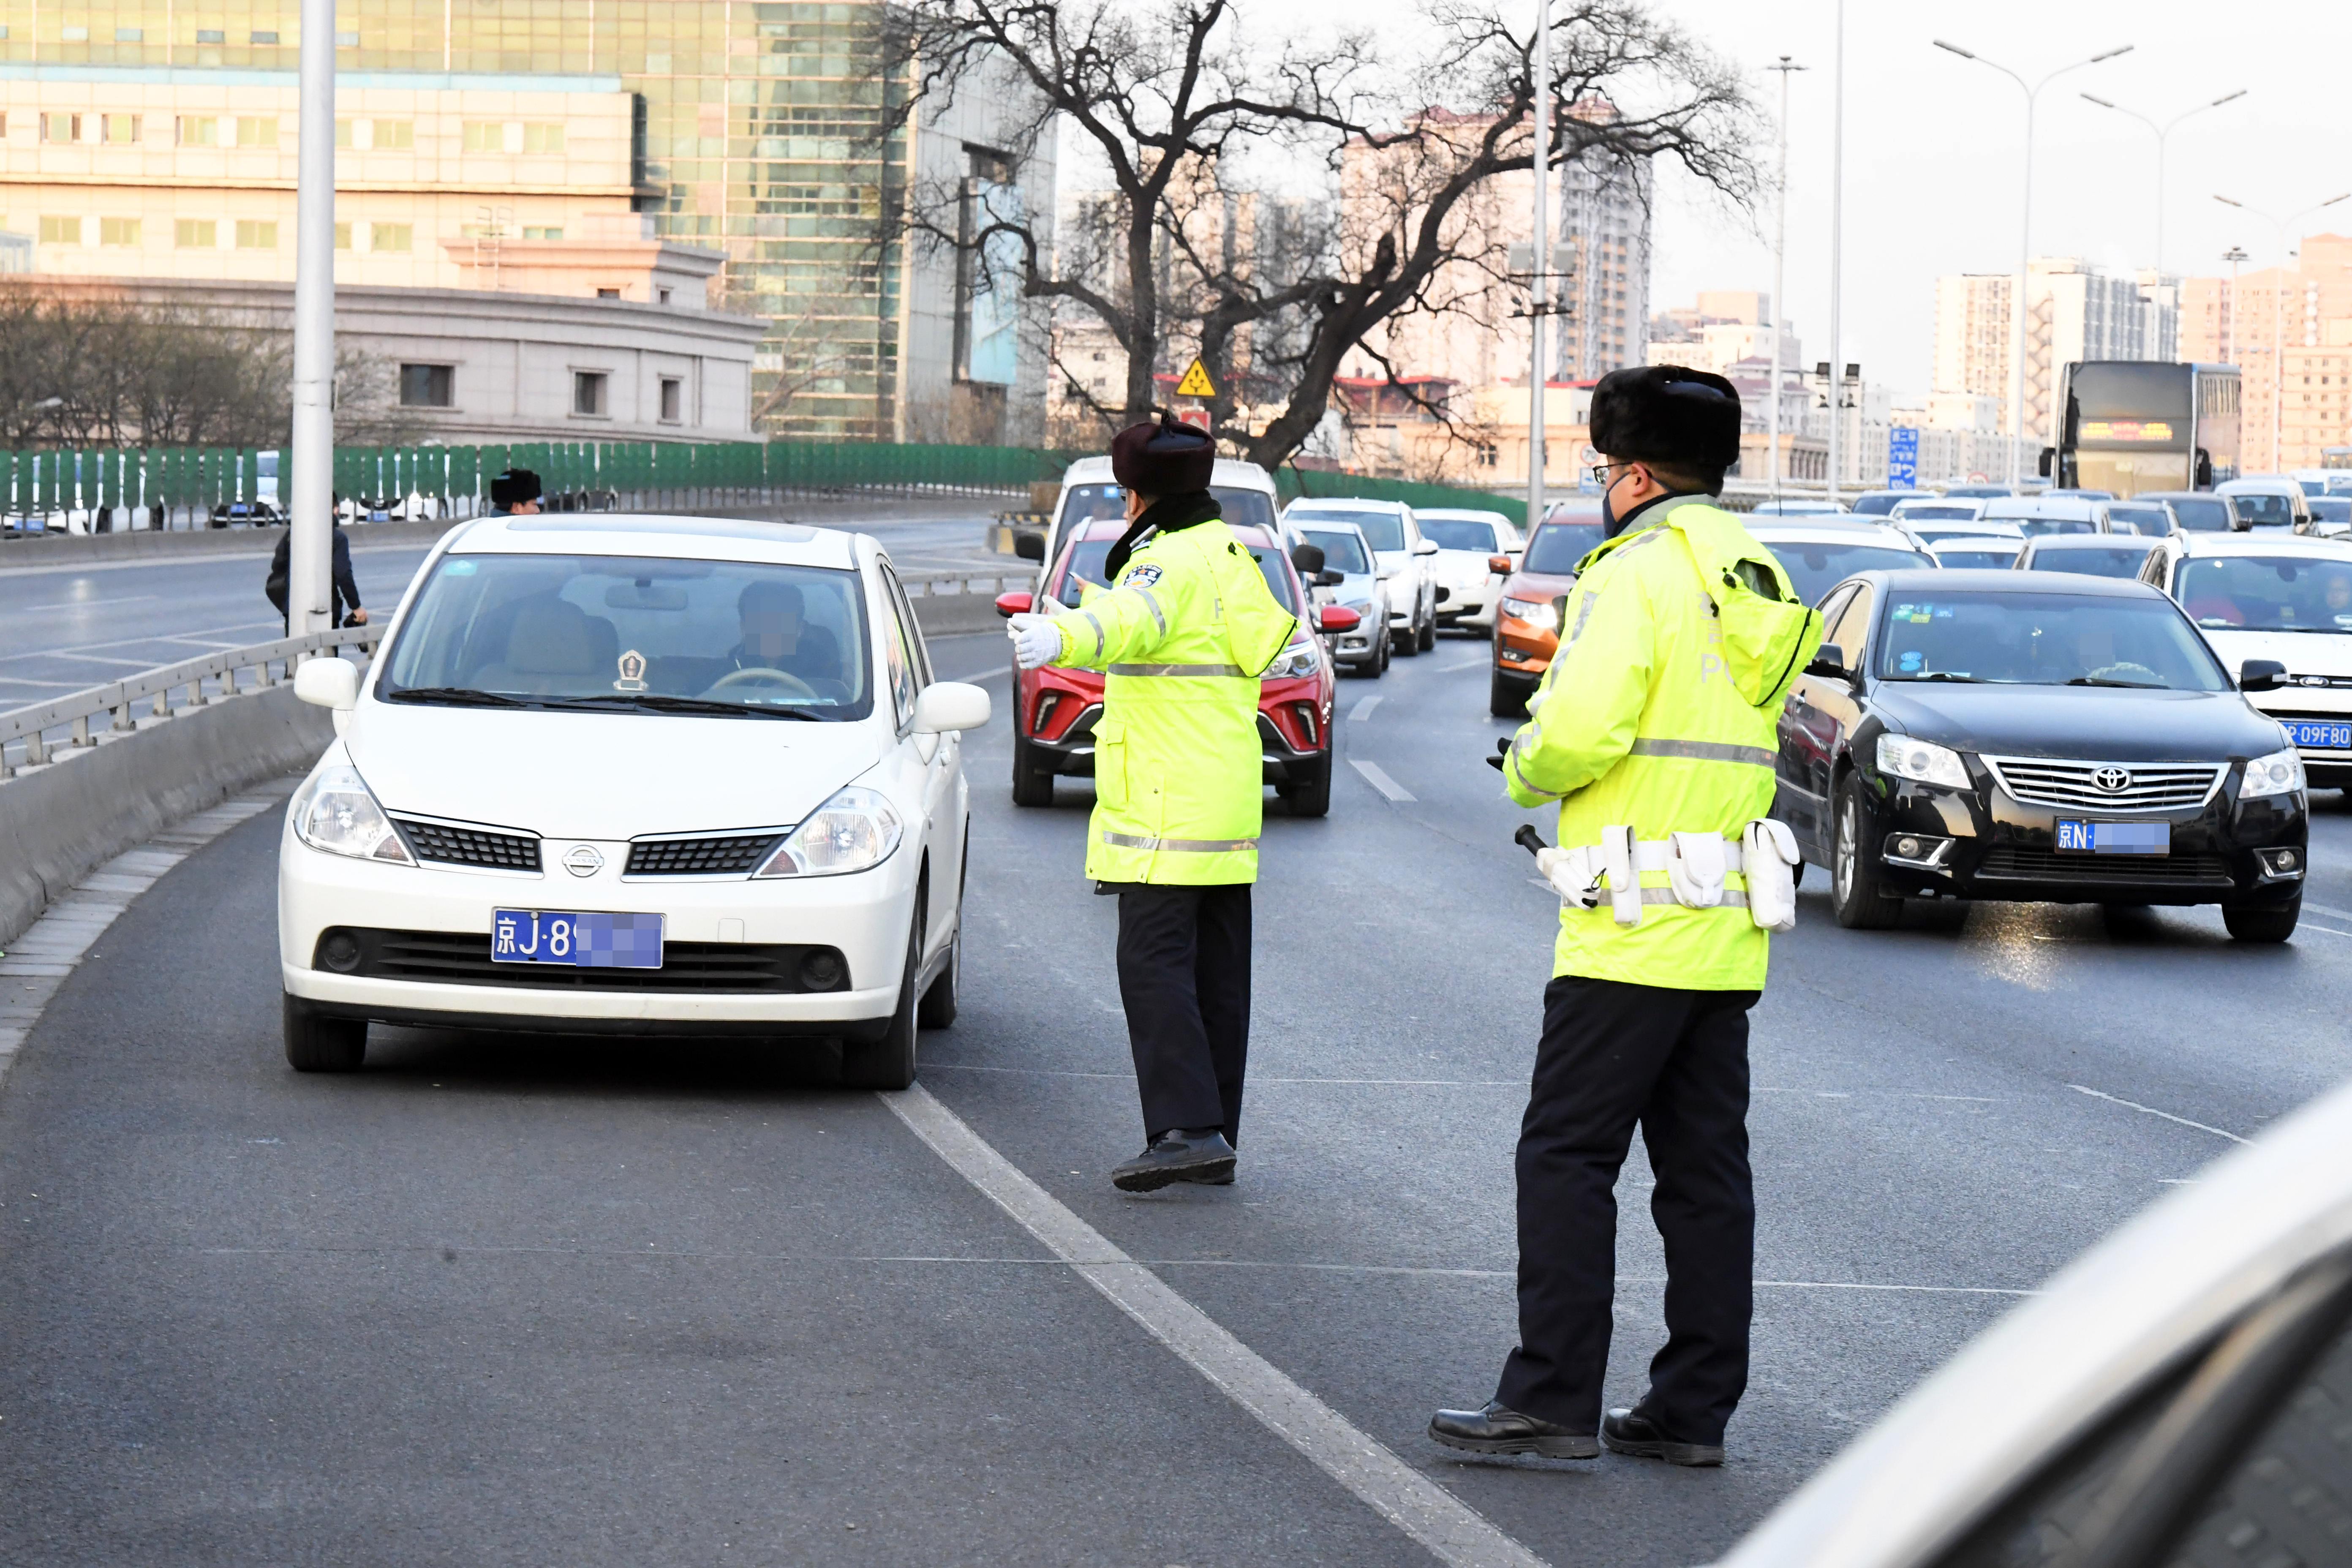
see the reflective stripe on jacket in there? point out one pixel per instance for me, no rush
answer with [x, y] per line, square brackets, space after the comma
[1651, 717]
[1179, 766]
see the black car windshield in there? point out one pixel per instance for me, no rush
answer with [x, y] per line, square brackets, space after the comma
[1086, 569]
[1940, 513]
[1967, 560]
[2093, 560]
[1382, 530]
[1814, 569]
[2330, 509]
[2200, 514]
[1875, 506]
[2147, 519]
[2267, 594]
[608, 631]
[1461, 534]
[1343, 550]
[1096, 503]
[2044, 639]
[1558, 546]
[2265, 510]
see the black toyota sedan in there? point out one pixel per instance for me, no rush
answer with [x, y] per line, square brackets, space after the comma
[2031, 735]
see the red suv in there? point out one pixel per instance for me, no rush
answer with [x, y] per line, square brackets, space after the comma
[1054, 711]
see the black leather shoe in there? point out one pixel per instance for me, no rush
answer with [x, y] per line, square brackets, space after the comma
[1499, 1429]
[1632, 1432]
[1178, 1156]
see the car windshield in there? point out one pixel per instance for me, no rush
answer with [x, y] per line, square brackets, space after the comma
[2147, 519]
[1095, 503]
[2330, 509]
[2201, 514]
[612, 632]
[1558, 546]
[1967, 560]
[1876, 505]
[2044, 639]
[1086, 569]
[1460, 533]
[1814, 569]
[2267, 594]
[2093, 559]
[1382, 530]
[2265, 510]
[1342, 550]
[1949, 531]
[1945, 513]
[2041, 527]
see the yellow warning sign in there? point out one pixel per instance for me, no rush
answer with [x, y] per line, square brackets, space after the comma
[1196, 382]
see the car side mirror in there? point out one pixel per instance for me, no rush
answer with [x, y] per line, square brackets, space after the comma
[1015, 604]
[1338, 618]
[946, 705]
[1426, 547]
[1029, 546]
[1307, 558]
[1500, 563]
[1829, 661]
[1328, 578]
[2261, 675]
[332, 684]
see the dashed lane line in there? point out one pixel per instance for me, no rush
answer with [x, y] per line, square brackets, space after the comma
[2152, 1111]
[1451, 1530]
[1378, 777]
[1362, 709]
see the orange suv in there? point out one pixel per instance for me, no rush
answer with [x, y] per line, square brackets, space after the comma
[1534, 601]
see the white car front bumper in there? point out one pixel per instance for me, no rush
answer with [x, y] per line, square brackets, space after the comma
[863, 916]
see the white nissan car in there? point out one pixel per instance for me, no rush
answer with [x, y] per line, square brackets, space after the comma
[635, 775]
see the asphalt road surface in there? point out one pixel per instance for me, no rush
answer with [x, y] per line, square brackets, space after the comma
[64, 628]
[501, 1300]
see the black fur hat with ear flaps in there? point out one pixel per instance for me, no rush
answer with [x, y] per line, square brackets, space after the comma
[1667, 414]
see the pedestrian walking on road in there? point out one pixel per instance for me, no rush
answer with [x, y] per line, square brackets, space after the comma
[1182, 633]
[346, 595]
[1654, 729]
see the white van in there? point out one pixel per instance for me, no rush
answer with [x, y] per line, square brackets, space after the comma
[1089, 493]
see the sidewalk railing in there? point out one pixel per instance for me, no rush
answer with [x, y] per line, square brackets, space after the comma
[191, 683]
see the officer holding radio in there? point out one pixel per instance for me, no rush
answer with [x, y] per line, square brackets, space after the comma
[1655, 730]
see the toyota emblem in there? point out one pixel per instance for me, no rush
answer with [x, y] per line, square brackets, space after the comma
[584, 859]
[2113, 780]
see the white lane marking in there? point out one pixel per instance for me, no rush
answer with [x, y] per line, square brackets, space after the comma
[1377, 776]
[2331, 930]
[1472, 664]
[1362, 709]
[2330, 911]
[2152, 1111]
[88, 604]
[1453, 1533]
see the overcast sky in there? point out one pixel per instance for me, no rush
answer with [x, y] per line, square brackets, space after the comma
[1933, 150]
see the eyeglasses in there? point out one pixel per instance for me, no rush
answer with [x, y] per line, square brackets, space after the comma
[1600, 472]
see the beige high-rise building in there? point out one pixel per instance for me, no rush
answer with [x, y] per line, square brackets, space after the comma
[2289, 331]
[2074, 311]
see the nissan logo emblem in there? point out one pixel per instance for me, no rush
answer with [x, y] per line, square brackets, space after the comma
[584, 859]
[2112, 780]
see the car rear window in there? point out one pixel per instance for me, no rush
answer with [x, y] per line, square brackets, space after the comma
[1095, 503]
[1460, 533]
[1912, 513]
[1974, 559]
[1814, 569]
[2093, 561]
[2201, 514]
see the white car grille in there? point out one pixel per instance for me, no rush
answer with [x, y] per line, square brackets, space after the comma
[2106, 786]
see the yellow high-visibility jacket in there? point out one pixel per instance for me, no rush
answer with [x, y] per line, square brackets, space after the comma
[1178, 767]
[1659, 712]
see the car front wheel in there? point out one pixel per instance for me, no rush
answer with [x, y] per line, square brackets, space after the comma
[1310, 796]
[2274, 922]
[1854, 892]
[1031, 784]
[889, 1062]
[317, 1042]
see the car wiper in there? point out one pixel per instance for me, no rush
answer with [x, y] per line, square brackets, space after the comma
[459, 696]
[655, 702]
[2134, 685]
[1941, 675]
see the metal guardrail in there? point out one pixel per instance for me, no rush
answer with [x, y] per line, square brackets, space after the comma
[29, 726]
[947, 585]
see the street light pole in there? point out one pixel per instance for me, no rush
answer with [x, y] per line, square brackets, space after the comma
[1539, 253]
[1780, 270]
[2278, 313]
[1837, 254]
[2233, 256]
[309, 593]
[2163, 134]
[2032, 91]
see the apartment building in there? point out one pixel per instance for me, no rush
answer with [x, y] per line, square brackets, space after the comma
[2289, 331]
[2072, 312]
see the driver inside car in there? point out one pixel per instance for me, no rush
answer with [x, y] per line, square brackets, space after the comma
[777, 635]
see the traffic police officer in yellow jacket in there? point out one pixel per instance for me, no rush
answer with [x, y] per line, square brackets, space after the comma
[1182, 636]
[1655, 730]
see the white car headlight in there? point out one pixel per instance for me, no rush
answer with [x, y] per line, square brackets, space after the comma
[2281, 773]
[334, 811]
[1906, 758]
[1299, 658]
[1536, 612]
[854, 831]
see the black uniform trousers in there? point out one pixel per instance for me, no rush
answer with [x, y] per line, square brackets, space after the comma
[1676, 1063]
[1184, 977]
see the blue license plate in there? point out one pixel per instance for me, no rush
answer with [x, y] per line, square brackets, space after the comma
[2114, 837]
[584, 941]
[2319, 734]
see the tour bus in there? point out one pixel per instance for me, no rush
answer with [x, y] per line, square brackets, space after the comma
[2131, 426]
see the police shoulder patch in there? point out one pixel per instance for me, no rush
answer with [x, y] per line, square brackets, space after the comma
[1141, 576]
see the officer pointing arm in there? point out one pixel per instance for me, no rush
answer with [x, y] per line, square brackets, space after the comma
[1654, 729]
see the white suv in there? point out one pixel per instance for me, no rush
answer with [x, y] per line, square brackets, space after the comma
[1394, 534]
[635, 775]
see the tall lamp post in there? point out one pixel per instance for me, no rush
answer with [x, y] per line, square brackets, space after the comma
[1539, 253]
[2233, 256]
[2032, 91]
[309, 600]
[1780, 267]
[2163, 134]
[2278, 313]
[1837, 253]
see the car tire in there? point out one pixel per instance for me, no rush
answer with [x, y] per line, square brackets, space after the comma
[1406, 643]
[938, 1008]
[319, 1042]
[1428, 634]
[1504, 701]
[1032, 785]
[1854, 893]
[889, 1062]
[2270, 922]
[1310, 796]
[1387, 648]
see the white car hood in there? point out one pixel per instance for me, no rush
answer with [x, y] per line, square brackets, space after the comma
[603, 775]
[2302, 653]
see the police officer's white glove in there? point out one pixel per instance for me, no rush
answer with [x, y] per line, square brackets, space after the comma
[1571, 874]
[1037, 641]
